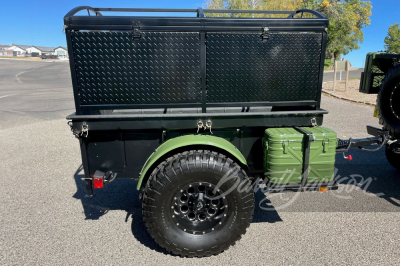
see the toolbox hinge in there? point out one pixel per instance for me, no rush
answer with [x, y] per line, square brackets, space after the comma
[265, 34]
[136, 34]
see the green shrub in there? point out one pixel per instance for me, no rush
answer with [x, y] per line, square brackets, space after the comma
[328, 64]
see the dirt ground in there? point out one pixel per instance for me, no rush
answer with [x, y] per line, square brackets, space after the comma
[352, 91]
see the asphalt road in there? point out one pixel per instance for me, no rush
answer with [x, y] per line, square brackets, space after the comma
[45, 218]
[353, 74]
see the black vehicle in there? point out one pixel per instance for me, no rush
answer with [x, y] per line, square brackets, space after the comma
[182, 103]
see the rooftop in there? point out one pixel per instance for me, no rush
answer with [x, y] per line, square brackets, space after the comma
[45, 49]
[22, 46]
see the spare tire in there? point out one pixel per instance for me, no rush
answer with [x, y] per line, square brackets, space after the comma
[388, 102]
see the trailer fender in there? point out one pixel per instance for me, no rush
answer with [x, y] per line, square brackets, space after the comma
[186, 141]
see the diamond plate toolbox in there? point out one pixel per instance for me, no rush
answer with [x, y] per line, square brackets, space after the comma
[241, 67]
[112, 68]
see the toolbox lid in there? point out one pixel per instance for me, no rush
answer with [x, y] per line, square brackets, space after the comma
[291, 134]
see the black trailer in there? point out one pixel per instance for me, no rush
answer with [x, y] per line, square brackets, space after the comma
[180, 103]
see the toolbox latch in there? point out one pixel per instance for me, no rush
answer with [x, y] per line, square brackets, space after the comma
[285, 145]
[265, 34]
[325, 144]
[136, 34]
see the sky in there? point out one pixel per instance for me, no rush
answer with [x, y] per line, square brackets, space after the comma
[40, 23]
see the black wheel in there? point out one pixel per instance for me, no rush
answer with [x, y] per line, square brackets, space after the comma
[388, 102]
[188, 213]
[393, 155]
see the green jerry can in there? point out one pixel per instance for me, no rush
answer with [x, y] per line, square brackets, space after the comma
[284, 155]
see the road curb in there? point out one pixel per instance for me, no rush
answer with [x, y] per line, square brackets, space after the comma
[351, 69]
[346, 99]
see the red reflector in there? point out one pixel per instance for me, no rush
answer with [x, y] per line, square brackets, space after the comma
[98, 183]
[350, 157]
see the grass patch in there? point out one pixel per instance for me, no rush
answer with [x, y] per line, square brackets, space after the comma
[21, 58]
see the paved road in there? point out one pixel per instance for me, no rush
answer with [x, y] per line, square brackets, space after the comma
[33, 91]
[328, 76]
[45, 218]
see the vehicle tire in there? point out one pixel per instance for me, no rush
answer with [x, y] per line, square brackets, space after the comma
[183, 215]
[388, 102]
[393, 155]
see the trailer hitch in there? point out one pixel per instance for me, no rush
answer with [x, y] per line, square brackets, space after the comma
[381, 138]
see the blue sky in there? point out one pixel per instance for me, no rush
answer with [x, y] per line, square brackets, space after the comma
[40, 22]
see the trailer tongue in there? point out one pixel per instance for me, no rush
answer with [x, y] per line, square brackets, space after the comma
[192, 107]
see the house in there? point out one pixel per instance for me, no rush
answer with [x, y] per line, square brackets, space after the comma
[5, 50]
[40, 50]
[60, 50]
[19, 49]
[4, 47]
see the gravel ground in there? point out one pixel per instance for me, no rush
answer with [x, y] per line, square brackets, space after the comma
[46, 220]
[352, 91]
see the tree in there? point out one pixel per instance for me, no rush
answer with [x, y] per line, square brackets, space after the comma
[255, 5]
[392, 40]
[346, 18]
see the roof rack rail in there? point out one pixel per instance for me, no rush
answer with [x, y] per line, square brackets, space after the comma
[200, 11]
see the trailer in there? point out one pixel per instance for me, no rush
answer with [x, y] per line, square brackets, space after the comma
[198, 109]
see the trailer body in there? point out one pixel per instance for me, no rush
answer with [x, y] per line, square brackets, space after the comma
[140, 81]
[200, 109]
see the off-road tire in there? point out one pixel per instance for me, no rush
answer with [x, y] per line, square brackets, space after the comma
[389, 90]
[393, 155]
[177, 172]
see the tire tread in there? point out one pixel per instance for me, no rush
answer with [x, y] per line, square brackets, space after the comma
[167, 171]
